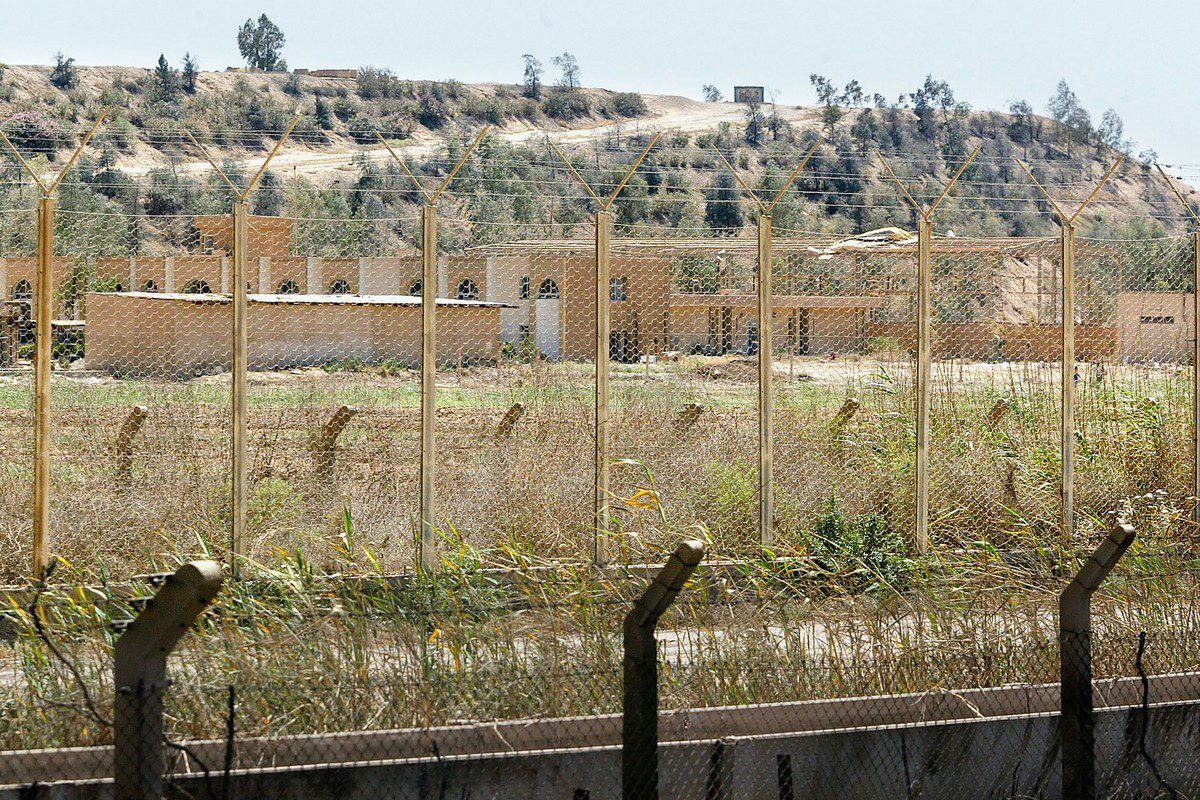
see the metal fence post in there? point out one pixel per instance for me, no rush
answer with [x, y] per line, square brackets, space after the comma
[1196, 376]
[1076, 728]
[238, 368]
[1067, 225]
[1068, 379]
[44, 347]
[924, 216]
[43, 351]
[766, 357]
[923, 376]
[639, 720]
[427, 561]
[603, 311]
[426, 555]
[140, 676]
[124, 446]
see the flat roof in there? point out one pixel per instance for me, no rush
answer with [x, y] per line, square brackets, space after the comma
[811, 246]
[309, 299]
[702, 300]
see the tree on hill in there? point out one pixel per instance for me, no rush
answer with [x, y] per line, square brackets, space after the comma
[830, 100]
[570, 71]
[1111, 132]
[1074, 121]
[63, 74]
[754, 122]
[711, 93]
[533, 77]
[261, 44]
[722, 207]
[191, 71]
[166, 81]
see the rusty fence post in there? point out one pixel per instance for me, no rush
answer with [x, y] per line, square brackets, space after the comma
[639, 721]
[139, 759]
[324, 446]
[1077, 724]
[123, 448]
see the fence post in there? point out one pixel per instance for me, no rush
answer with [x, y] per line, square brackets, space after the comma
[426, 561]
[766, 357]
[1076, 727]
[426, 545]
[43, 351]
[924, 216]
[639, 720]
[603, 310]
[324, 446]
[1066, 223]
[238, 369]
[1068, 379]
[924, 374]
[140, 672]
[1195, 376]
[43, 348]
[124, 446]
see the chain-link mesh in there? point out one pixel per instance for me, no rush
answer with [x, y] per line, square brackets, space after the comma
[334, 341]
[844, 367]
[515, 398]
[18, 257]
[995, 402]
[1133, 378]
[371, 688]
[841, 662]
[140, 421]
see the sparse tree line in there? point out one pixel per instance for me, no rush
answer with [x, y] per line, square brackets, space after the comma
[380, 104]
[681, 184]
[941, 119]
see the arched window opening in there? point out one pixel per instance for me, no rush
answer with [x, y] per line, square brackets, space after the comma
[467, 290]
[416, 289]
[340, 286]
[150, 286]
[289, 287]
[197, 287]
[23, 290]
[547, 290]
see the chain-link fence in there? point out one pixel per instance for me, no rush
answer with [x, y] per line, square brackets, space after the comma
[419, 430]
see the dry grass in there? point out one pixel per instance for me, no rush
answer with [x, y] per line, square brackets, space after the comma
[852, 610]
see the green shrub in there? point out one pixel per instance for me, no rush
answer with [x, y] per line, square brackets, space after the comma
[292, 85]
[727, 501]
[484, 109]
[373, 84]
[628, 104]
[433, 108]
[882, 344]
[344, 365]
[33, 133]
[566, 104]
[345, 109]
[865, 550]
[362, 129]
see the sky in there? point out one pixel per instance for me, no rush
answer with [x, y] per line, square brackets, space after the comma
[1139, 59]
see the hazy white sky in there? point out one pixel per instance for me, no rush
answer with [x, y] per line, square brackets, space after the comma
[1139, 58]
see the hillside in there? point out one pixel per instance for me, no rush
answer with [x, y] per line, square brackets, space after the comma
[238, 115]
